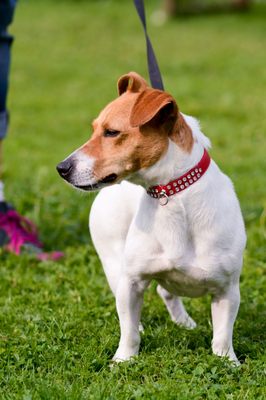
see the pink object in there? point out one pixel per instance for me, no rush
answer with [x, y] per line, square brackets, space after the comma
[21, 231]
[54, 256]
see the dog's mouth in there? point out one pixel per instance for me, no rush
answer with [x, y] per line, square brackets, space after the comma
[105, 181]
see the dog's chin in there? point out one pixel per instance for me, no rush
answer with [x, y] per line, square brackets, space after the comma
[106, 181]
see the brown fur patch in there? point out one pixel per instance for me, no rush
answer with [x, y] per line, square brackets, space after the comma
[131, 82]
[120, 139]
[145, 121]
[126, 154]
[182, 134]
[149, 103]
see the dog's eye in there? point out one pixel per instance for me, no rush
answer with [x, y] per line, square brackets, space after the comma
[110, 133]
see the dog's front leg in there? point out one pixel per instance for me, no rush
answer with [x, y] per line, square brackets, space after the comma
[224, 311]
[129, 298]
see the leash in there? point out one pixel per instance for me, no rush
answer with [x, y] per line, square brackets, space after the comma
[154, 70]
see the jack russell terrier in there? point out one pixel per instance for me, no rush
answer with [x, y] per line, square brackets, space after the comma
[178, 221]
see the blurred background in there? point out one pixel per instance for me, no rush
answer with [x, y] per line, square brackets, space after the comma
[174, 7]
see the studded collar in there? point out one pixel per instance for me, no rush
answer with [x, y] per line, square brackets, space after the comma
[162, 192]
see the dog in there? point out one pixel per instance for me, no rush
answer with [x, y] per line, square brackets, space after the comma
[165, 212]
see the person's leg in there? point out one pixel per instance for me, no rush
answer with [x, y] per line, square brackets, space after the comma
[2, 196]
[17, 233]
[7, 8]
[5, 52]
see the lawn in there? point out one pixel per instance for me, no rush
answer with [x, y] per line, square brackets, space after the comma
[58, 328]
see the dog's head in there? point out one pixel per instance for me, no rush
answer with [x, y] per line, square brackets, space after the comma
[130, 134]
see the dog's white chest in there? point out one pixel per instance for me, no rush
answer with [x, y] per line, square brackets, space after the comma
[169, 257]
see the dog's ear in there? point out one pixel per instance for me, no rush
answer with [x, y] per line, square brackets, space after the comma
[154, 105]
[132, 82]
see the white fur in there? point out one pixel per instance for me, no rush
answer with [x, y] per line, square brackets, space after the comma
[82, 174]
[192, 246]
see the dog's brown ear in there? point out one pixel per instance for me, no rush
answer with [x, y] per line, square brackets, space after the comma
[132, 82]
[153, 103]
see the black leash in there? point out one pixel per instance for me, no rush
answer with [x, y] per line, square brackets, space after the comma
[154, 70]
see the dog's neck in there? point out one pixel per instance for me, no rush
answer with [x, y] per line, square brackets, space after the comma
[176, 161]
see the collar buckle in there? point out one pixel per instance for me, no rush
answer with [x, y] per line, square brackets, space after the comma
[163, 198]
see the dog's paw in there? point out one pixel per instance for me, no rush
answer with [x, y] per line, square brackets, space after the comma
[119, 358]
[227, 353]
[124, 355]
[185, 321]
[231, 358]
[235, 362]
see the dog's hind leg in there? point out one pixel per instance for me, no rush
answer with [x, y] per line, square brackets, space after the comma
[176, 309]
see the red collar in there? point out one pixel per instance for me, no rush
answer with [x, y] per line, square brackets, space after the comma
[162, 192]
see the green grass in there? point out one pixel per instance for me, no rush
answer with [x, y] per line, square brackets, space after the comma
[58, 328]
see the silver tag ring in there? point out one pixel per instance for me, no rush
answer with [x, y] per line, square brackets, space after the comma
[163, 198]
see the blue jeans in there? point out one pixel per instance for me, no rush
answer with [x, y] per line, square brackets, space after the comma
[7, 8]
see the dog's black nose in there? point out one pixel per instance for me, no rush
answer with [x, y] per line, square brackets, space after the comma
[64, 168]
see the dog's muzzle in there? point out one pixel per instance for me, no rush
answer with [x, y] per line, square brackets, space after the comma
[82, 178]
